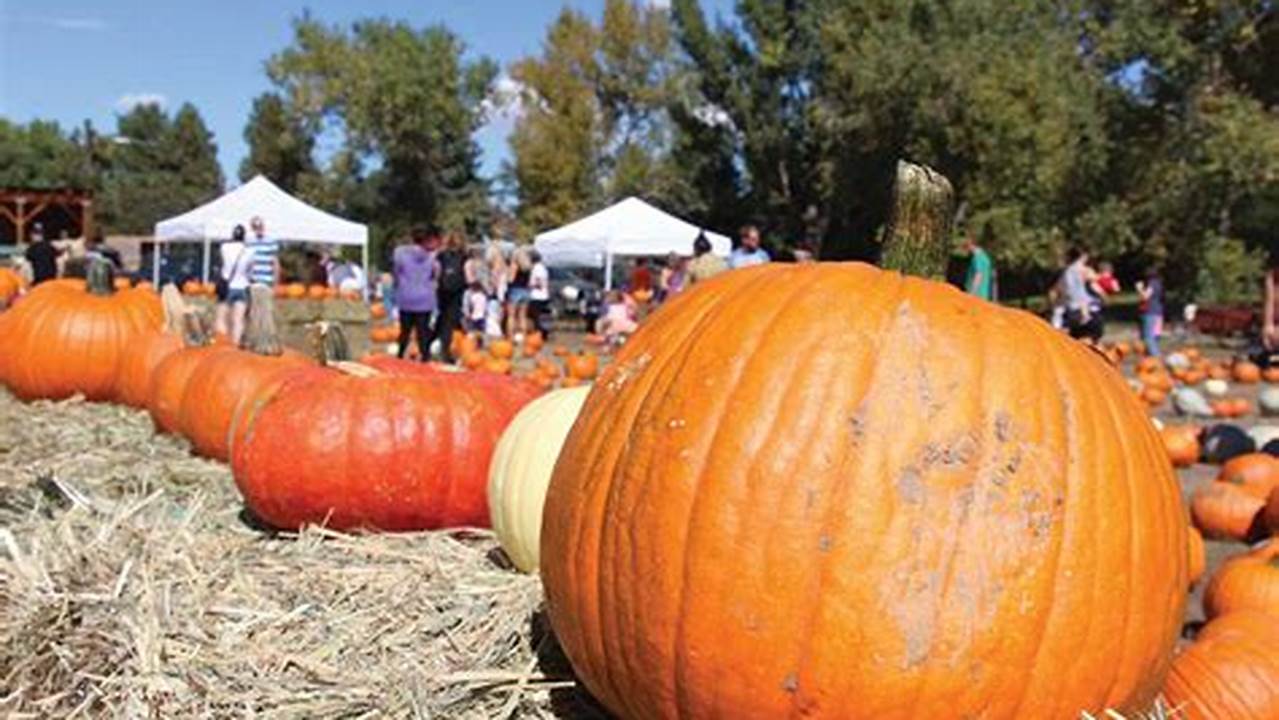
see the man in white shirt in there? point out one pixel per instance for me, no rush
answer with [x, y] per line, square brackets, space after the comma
[749, 252]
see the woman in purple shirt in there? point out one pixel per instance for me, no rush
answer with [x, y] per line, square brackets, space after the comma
[416, 274]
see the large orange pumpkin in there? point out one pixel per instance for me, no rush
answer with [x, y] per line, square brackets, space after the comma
[1224, 512]
[11, 283]
[1247, 582]
[68, 338]
[395, 446]
[1231, 672]
[171, 378]
[847, 505]
[139, 362]
[1254, 473]
[220, 382]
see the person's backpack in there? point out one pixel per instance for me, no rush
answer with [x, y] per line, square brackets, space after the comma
[452, 273]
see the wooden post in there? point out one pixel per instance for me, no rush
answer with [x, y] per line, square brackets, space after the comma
[917, 237]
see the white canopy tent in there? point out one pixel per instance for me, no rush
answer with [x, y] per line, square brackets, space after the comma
[287, 220]
[631, 228]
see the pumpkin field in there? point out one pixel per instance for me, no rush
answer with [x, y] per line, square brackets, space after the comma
[921, 505]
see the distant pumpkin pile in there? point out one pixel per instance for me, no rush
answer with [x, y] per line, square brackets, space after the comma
[821, 508]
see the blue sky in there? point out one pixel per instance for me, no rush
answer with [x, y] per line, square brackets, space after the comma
[69, 60]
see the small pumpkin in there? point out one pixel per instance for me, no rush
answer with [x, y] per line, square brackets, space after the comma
[502, 349]
[1182, 444]
[1247, 373]
[1153, 396]
[1268, 401]
[295, 291]
[1230, 672]
[317, 292]
[1271, 374]
[1198, 556]
[1216, 388]
[583, 366]
[436, 430]
[560, 351]
[139, 362]
[11, 284]
[377, 310]
[521, 469]
[1224, 512]
[1246, 582]
[1217, 371]
[1254, 473]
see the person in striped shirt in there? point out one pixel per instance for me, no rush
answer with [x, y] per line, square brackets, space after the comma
[266, 255]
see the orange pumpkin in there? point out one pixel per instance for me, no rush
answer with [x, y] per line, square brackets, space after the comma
[809, 511]
[169, 384]
[221, 381]
[1218, 372]
[497, 365]
[377, 310]
[1191, 353]
[330, 293]
[1149, 365]
[583, 366]
[560, 351]
[1271, 374]
[192, 287]
[1198, 556]
[66, 337]
[280, 291]
[1194, 376]
[1230, 672]
[317, 292]
[121, 283]
[502, 349]
[139, 362]
[295, 291]
[1255, 473]
[1182, 444]
[1223, 511]
[473, 360]
[533, 344]
[1246, 582]
[1153, 396]
[11, 283]
[1246, 372]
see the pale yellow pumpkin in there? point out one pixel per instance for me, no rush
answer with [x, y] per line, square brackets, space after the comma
[521, 470]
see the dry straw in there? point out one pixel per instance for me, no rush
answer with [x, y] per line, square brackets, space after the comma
[132, 585]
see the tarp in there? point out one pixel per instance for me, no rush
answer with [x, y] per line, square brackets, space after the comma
[631, 228]
[287, 218]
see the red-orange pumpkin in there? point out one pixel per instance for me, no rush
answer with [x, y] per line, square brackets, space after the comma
[1231, 672]
[1247, 582]
[220, 382]
[584, 366]
[169, 384]
[1246, 372]
[502, 349]
[811, 511]
[397, 448]
[1254, 473]
[68, 338]
[1224, 512]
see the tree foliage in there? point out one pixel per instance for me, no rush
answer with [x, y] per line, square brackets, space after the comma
[280, 145]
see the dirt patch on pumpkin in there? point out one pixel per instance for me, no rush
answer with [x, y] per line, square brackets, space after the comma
[132, 585]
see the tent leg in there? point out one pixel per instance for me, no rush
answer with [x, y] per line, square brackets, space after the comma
[368, 272]
[204, 275]
[608, 271]
[155, 265]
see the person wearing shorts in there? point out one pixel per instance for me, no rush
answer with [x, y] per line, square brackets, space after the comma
[517, 294]
[233, 291]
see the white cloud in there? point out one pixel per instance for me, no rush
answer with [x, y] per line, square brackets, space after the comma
[506, 102]
[90, 24]
[660, 4]
[128, 101]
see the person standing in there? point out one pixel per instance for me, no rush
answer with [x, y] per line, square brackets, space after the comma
[452, 262]
[233, 290]
[416, 274]
[266, 255]
[1081, 319]
[673, 278]
[517, 295]
[539, 294]
[980, 278]
[1270, 307]
[705, 264]
[749, 252]
[1151, 292]
[498, 277]
[43, 257]
[641, 276]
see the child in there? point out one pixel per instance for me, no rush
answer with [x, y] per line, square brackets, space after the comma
[619, 317]
[476, 306]
[386, 290]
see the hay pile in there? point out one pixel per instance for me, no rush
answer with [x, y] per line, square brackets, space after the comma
[132, 585]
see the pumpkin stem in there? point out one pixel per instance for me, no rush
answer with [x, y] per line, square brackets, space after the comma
[260, 333]
[197, 331]
[328, 343]
[916, 240]
[174, 308]
[99, 278]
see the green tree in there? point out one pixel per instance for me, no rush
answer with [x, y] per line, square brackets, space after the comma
[40, 156]
[406, 106]
[281, 147]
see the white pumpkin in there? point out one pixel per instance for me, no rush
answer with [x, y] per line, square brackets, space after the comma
[1263, 434]
[1216, 388]
[521, 470]
[1269, 401]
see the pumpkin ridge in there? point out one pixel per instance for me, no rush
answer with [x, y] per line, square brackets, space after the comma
[662, 376]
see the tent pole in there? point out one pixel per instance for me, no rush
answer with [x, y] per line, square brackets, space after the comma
[155, 264]
[368, 272]
[205, 272]
[608, 270]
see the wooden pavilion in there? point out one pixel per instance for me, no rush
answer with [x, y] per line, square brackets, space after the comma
[56, 210]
